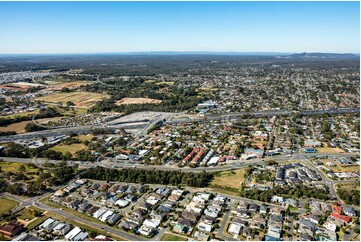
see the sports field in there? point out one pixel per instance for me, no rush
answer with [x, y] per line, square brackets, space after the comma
[71, 148]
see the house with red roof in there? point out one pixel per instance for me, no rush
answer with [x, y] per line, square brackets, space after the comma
[11, 229]
[340, 217]
[336, 213]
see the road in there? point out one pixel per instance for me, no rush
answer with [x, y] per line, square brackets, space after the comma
[134, 124]
[224, 223]
[326, 180]
[230, 166]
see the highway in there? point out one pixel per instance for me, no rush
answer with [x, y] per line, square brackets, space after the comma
[230, 166]
[171, 118]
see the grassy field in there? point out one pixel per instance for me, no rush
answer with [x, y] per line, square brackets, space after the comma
[329, 150]
[36, 222]
[80, 99]
[231, 179]
[339, 167]
[30, 171]
[171, 237]
[20, 126]
[355, 168]
[349, 186]
[6, 204]
[71, 148]
[85, 137]
[137, 101]
[165, 83]
[14, 166]
[26, 215]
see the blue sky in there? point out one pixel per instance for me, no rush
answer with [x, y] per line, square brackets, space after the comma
[85, 27]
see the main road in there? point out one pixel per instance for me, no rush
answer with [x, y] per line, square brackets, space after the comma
[171, 118]
[229, 166]
[34, 201]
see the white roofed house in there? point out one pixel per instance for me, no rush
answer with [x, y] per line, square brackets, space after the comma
[152, 223]
[47, 223]
[74, 232]
[204, 227]
[81, 236]
[122, 203]
[106, 215]
[99, 213]
[234, 229]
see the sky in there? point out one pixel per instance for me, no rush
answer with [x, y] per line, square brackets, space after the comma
[98, 27]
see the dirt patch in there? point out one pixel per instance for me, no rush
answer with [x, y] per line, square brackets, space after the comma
[330, 150]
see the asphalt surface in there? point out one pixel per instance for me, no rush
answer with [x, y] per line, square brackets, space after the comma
[134, 124]
[230, 166]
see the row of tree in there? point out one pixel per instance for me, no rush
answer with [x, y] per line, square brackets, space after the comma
[195, 179]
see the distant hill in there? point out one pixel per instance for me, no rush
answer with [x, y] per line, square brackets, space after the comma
[324, 55]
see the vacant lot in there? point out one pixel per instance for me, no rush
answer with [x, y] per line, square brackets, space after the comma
[137, 101]
[80, 99]
[349, 186]
[30, 171]
[6, 204]
[14, 166]
[330, 150]
[71, 148]
[231, 179]
[27, 214]
[85, 137]
[20, 127]
[171, 237]
[338, 167]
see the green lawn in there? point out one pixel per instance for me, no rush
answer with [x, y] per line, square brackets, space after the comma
[69, 148]
[26, 213]
[6, 204]
[171, 237]
[232, 179]
[36, 222]
[30, 171]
